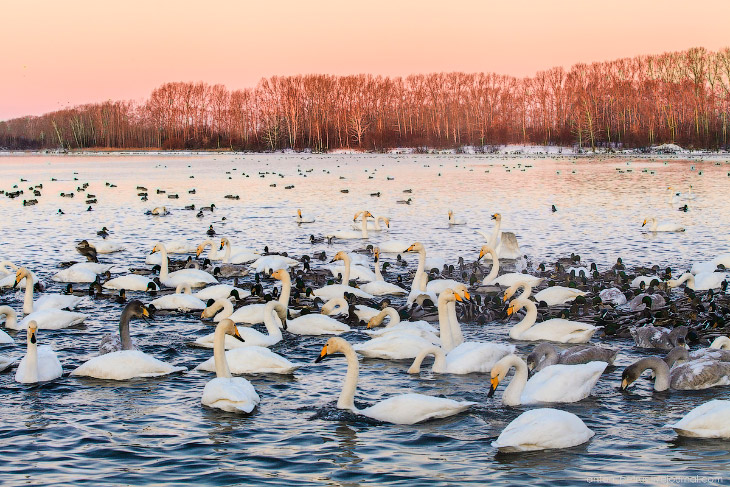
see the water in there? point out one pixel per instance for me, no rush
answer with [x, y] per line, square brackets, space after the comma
[93, 432]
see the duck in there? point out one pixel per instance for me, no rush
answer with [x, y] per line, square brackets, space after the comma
[554, 330]
[649, 336]
[301, 219]
[702, 281]
[466, 358]
[379, 287]
[340, 305]
[274, 320]
[193, 277]
[708, 420]
[126, 363]
[225, 392]
[40, 363]
[182, 300]
[692, 375]
[662, 227]
[556, 383]
[546, 354]
[543, 429]
[505, 280]
[453, 220]
[400, 409]
[46, 301]
[131, 282]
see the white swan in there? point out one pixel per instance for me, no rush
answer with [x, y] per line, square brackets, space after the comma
[106, 247]
[703, 281]
[270, 263]
[240, 255]
[401, 409]
[543, 429]
[180, 247]
[554, 330]
[232, 394]
[11, 319]
[350, 234]
[393, 246]
[47, 319]
[379, 287]
[274, 316]
[455, 221]
[466, 358]
[126, 363]
[40, 364]
[504, 243]
[77, 274]
[221, 291]
[6, 362]
[214, 253]
[182, 300]
[193, 277]
[711, 265]
[709, 420]
[301, 219]
[419, 287]
[721, 342]
[340, 305]
[662, 227]
[131, 282]
[375, 226]
[421, 328]
[393, 346]
[250, 359]
[8, 277]
[333, 291]
[556, 383]
[46, 301]
[505, 280]
[552, 295]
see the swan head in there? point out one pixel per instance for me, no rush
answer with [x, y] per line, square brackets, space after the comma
[499, 372]
[376, 254]
[333, 345]
[630, 374]
[461, 291]
[510, 291]
[387, 222]
[367, 214]
[32, 330]
[136, 309]
[497, 217]
[514, 306]
[279, 274]
[416, 247]
[299, 212]
[486, 249]
[229, 328]
[19, 275]
[341, 255]
[157, 248]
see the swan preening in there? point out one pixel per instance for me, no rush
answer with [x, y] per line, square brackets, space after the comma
[232, 394]
[400, 409]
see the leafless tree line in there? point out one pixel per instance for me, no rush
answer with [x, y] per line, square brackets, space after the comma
[679, 97]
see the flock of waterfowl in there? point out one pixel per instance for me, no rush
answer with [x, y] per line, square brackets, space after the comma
[421, 310]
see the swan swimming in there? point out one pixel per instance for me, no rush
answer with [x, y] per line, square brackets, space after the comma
[40, 364]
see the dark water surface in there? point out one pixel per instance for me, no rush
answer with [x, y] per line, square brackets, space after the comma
[155, 431]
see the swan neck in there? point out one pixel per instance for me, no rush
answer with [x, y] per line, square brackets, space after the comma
[163, 264]
[31, 360]
[417, 279]
[445, 325]
[347, 395]
[346, 274]
[28, 300]
[527, 321]
[286, 290]
[394, 316]
[513, 392]
[439, 360]
[227, 255]
[495, 267]
[378, 274]
[270, 322]
[457, 337]
[495, 234]
[219, 352]
[364, 226]
[124, 330]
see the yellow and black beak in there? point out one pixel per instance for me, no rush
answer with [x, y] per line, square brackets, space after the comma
[199, 251]
[481, 254]
[643, 223]
[466, 295]
[371, 324]
[494, 217]
[410, 249]
[458, 298]
[18, 278]
[145, 312]
[505, 298]
[625, 384]
[495, 384]
[322, 355]
[237, 335]
[511, 310]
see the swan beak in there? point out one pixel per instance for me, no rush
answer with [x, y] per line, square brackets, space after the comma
[371, 324]
[283, 323]
[322, 355]
[466, 295]
[481, 254]
[505, 298]
[458, 298]
[198, 251]
[643, 223]
[494, 217]
[145, 312]
[410, 249]
[495, 383]
[511, 310]
[237, 335]
[624, 384]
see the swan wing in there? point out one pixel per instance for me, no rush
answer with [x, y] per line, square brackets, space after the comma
[700, 374]
[49, 367]
[540, 429]
[562, 383]
[124, 365]
[52, 319]
[414, 408]
[709, 420]
[252, 360]
[232, 394]
[471, 357]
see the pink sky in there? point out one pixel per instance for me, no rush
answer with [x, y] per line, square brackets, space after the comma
[58, 54]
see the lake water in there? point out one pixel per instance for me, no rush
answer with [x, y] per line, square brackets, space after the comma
[93, 432]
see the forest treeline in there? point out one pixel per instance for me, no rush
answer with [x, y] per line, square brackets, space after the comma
[679, 97]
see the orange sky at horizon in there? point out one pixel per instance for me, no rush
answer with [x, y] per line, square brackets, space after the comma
[60, 54]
